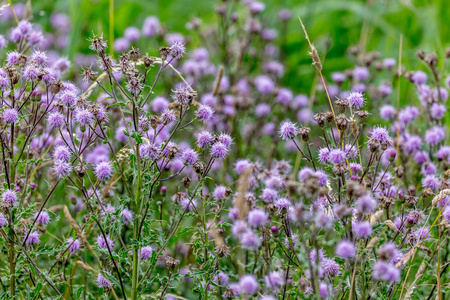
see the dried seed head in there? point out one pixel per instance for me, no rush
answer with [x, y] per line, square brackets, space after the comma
[421, 54]
[229, 293]
[320, 118]
[340, 169]
[171, 262]
[198, 167]
[163, 51]
[80, 169]
[135, 54]
[304, 133]
[374, 145]
[330, 116]
[223, 250]
[342, 122]
[148, 61]
[362, 116]
[431, 59]
[186, 181]
[341, 105]
[427, 193]
[22, 60]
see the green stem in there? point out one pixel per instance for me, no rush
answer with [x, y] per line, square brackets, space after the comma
[135, 274]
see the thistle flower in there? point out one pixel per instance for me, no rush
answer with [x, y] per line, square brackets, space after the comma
[330, 267]
[62, 153]
[146, 252]
[204, 139]
[387, 112]
[33, 238]
[204, 113]
[62, 169]
[361, 73]
[250, 240]
[362, 229]
[3, 221]
[151, 26]
[102, 243]
[346, 249]
[149, 151]
[366, 204]
[168, 116]
[264, 84]
[288, 130]
[56, 119]
[257, 217]
[337, 156]
[43, 218]
[102, 282]
[248, 284]
[9, 197]
[356, 100]
[189, 156]
[74, 245]
[10, 115]
[127, 216]
[98, 44]
[385, 271]
[435, 135]
[177, 49]
[103, 170]
[219, 150]
[274, 280]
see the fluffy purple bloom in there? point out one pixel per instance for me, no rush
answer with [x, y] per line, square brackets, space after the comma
[102, 243]
[62, 153]
[219, 150]
[385, 271]
[149, 151]
[361, 73]
[324, 154]
[189, 156]
[437, 111]
[168, 116]
[387, 112]
[127, 216]
[177, 49]
[56, 119]
[43, 218]
[219, 192]
[288, 130]
[102, 282]
[366, 204]
[389, 63]
[62, 168]
[250, 240]
[248, 284]
[33, 238]
[146, 252]
[12, 57]
[338, 77]
[74, 245]
[103, 170]
[151, 26]
[274, 280]
[431, 181]
[412, 144]
[356, 100]
[257, 217]
[132, 34]
[419, 77]
[159, 104]
[204, 113]
[346, 249]
[264, 84]
[10, 115]
[330, 267]
[284, 96]
[435, 135]
[4, 222]
[337, 156]
[9, 197]
[269, 195]
[362, 229]
[408, 114]
[380, 134]
[204, 139]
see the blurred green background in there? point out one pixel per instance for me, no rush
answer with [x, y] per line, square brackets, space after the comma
[375, 24]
